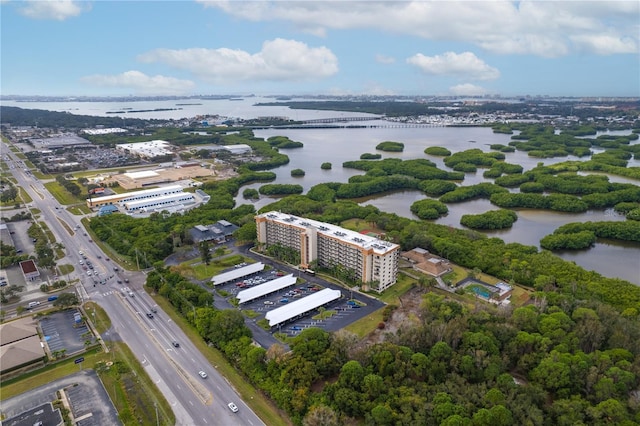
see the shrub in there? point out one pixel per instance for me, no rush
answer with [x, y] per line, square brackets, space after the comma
[390, 146]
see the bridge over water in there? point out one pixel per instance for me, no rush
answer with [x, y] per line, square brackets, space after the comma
[346, 123]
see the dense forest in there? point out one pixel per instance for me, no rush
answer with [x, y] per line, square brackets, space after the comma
[397, 108]
[63, 120]
[569, 357]
[555, 362]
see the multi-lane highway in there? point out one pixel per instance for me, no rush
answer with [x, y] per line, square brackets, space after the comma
[195, 400]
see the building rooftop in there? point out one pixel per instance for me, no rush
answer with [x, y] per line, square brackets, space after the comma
[266, 288]
[352, 237]
[302, 306]
[234, 274]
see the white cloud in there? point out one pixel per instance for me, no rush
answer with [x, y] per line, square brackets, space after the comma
[383, 59]
[542, 28]
[467, 89]
[142, 83]
[465, 65]
[279, 60]
[603, 44]
[57, 10]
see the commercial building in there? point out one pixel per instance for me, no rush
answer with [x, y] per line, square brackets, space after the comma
[160, 202]
[150, 149]
[133, 196]
[20, 345]
[368, 259]
[29, 270]
[218, 232]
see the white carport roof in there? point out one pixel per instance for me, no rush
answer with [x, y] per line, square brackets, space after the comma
[299, 307]
[266, 288]
[237, 273]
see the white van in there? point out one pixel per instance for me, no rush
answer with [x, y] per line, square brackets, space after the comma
[33, 304]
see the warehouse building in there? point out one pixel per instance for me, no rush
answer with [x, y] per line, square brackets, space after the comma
[125, 197]
[369, 259]
[160, 202]
[150, 149]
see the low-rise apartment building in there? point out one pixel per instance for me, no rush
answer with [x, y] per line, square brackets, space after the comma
[369, 259]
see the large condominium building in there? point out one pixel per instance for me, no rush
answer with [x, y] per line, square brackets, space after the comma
[371, 260]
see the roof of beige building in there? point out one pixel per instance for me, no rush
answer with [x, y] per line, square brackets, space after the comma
[17, 330]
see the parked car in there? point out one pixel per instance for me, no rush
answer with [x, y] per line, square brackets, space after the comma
[268, 302]
[284, 300]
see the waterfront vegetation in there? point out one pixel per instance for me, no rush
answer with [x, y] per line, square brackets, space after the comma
[297, 173]
[429, 209]
[369, 156]
[325, 166]
[284, 142]
[280, 189]
[438, 150]
[250, 194]
[493, 219]
[572, 356]
[390, 146]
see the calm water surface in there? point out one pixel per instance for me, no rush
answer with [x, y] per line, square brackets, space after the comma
[339, 145]
[343, 144]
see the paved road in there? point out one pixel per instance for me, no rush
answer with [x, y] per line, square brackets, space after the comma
[195, 401]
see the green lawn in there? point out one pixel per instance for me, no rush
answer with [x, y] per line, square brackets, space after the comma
[198, 270]
[62, 195]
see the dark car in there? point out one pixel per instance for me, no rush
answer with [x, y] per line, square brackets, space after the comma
[149, 315]
[175, 344]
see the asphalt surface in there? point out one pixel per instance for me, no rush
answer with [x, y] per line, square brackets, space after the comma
[84, 391]
[194, 401]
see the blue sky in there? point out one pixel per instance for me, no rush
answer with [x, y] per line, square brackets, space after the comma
[334, 47]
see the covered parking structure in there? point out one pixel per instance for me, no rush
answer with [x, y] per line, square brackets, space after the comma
[300, 307]
[237, 273]
[267, 288]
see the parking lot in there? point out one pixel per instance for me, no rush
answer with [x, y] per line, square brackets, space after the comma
[62, 333]
[348, 309]
[84, 391]
[91, 400]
